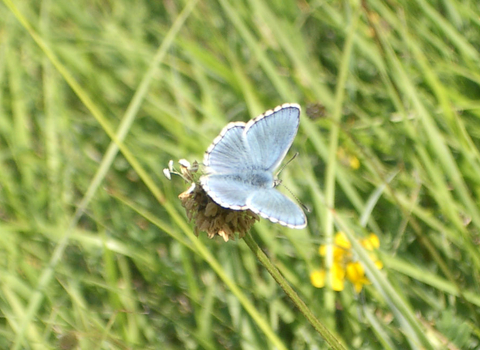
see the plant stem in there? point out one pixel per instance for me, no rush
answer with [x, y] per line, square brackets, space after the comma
[319, 327]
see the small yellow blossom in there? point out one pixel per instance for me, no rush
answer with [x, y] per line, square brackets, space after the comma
[348, 159]
[341, 241]
[356, 275]
[317, 278]
[344, 266]
[338, 277]
[341, 247]
[354, 163]
[370, 243]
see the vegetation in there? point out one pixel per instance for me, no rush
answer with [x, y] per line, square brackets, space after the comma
[96, 251]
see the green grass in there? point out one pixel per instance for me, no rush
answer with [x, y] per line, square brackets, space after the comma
[97, 96]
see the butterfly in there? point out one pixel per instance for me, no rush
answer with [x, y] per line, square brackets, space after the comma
[241, 161]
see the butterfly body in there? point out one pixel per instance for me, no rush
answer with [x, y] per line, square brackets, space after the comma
[254, 178]
[240, 164]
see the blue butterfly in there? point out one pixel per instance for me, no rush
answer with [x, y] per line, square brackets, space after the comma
[240, 164]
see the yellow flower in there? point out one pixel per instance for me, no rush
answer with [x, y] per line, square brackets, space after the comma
[344, 266]
[317, 278]
[342, 242]
[354, 163]
[338, 277]
[348, 159]
[370, 243]
[356, 275]
[341, 247]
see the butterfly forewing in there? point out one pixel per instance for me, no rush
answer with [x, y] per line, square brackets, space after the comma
[228, 153]
[270, 136]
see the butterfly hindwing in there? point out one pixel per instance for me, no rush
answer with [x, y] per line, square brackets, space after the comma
[227, 191]
[276, 207]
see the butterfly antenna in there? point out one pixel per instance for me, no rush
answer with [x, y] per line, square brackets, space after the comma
[284, 166]
[307, 209]
[277, 182]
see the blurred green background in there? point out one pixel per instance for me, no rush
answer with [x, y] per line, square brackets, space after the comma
[97, 96]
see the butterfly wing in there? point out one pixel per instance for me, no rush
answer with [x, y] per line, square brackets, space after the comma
[228, 191]
[228, 153]
[273, 205]
[270, 136]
